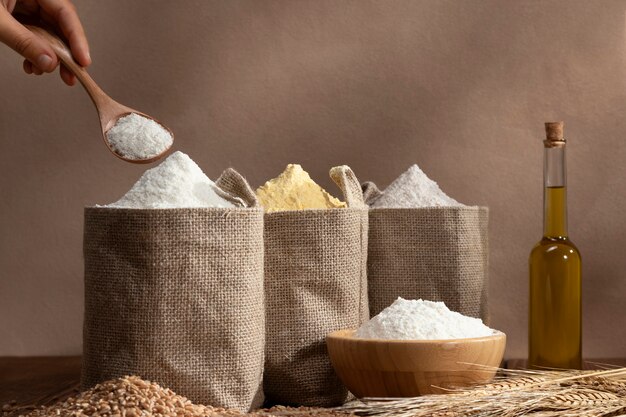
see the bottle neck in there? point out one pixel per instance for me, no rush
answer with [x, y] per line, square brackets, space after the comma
[555, 194]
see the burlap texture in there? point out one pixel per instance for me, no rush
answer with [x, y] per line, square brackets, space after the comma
[370, 192]
[434, 253]
[233, 184]
[176, 296]
[315, 283]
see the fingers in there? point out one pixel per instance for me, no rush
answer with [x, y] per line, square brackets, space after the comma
[64, 15]
[67, 76]
[26, 43]
[39, 55]
[31, 69]
[28, 67]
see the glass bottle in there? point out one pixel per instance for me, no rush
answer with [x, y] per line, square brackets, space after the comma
[555, 311]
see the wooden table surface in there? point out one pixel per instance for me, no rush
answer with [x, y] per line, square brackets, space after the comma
[38, 380]
[45, 380]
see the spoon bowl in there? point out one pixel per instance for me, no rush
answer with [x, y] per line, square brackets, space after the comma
[109, 110]
[106, 126]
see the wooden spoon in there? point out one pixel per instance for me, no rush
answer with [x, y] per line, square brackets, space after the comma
[109, 110]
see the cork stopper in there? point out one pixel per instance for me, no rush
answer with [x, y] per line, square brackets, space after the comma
[554, 134]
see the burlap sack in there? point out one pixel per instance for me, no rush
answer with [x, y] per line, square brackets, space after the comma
[315, 283]
[434, 253]
[176, 296]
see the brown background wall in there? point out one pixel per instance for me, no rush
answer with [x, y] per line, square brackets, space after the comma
[460, 87]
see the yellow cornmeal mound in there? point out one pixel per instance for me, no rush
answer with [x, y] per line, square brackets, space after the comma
[295, 190]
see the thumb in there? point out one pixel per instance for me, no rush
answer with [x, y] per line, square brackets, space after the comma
[26, 43]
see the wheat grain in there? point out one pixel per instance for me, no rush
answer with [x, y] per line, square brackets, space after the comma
[132, 396]
[127, 397]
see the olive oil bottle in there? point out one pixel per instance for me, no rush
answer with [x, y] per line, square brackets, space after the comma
[555, 312]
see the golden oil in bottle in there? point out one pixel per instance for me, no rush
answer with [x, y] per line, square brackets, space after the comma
[555, 311]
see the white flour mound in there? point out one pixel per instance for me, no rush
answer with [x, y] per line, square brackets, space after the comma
[421, 320]
[178, 182]
[414, 189]
[137, 137]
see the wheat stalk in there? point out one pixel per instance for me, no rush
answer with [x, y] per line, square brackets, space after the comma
[539, 393]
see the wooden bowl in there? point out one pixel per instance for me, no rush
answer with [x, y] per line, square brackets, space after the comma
[409, 368]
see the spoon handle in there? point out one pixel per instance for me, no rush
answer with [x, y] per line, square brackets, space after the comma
[59, 47]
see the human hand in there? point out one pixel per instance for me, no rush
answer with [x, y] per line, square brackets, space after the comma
[39, 55]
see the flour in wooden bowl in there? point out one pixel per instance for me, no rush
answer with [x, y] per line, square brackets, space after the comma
[421, 320]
